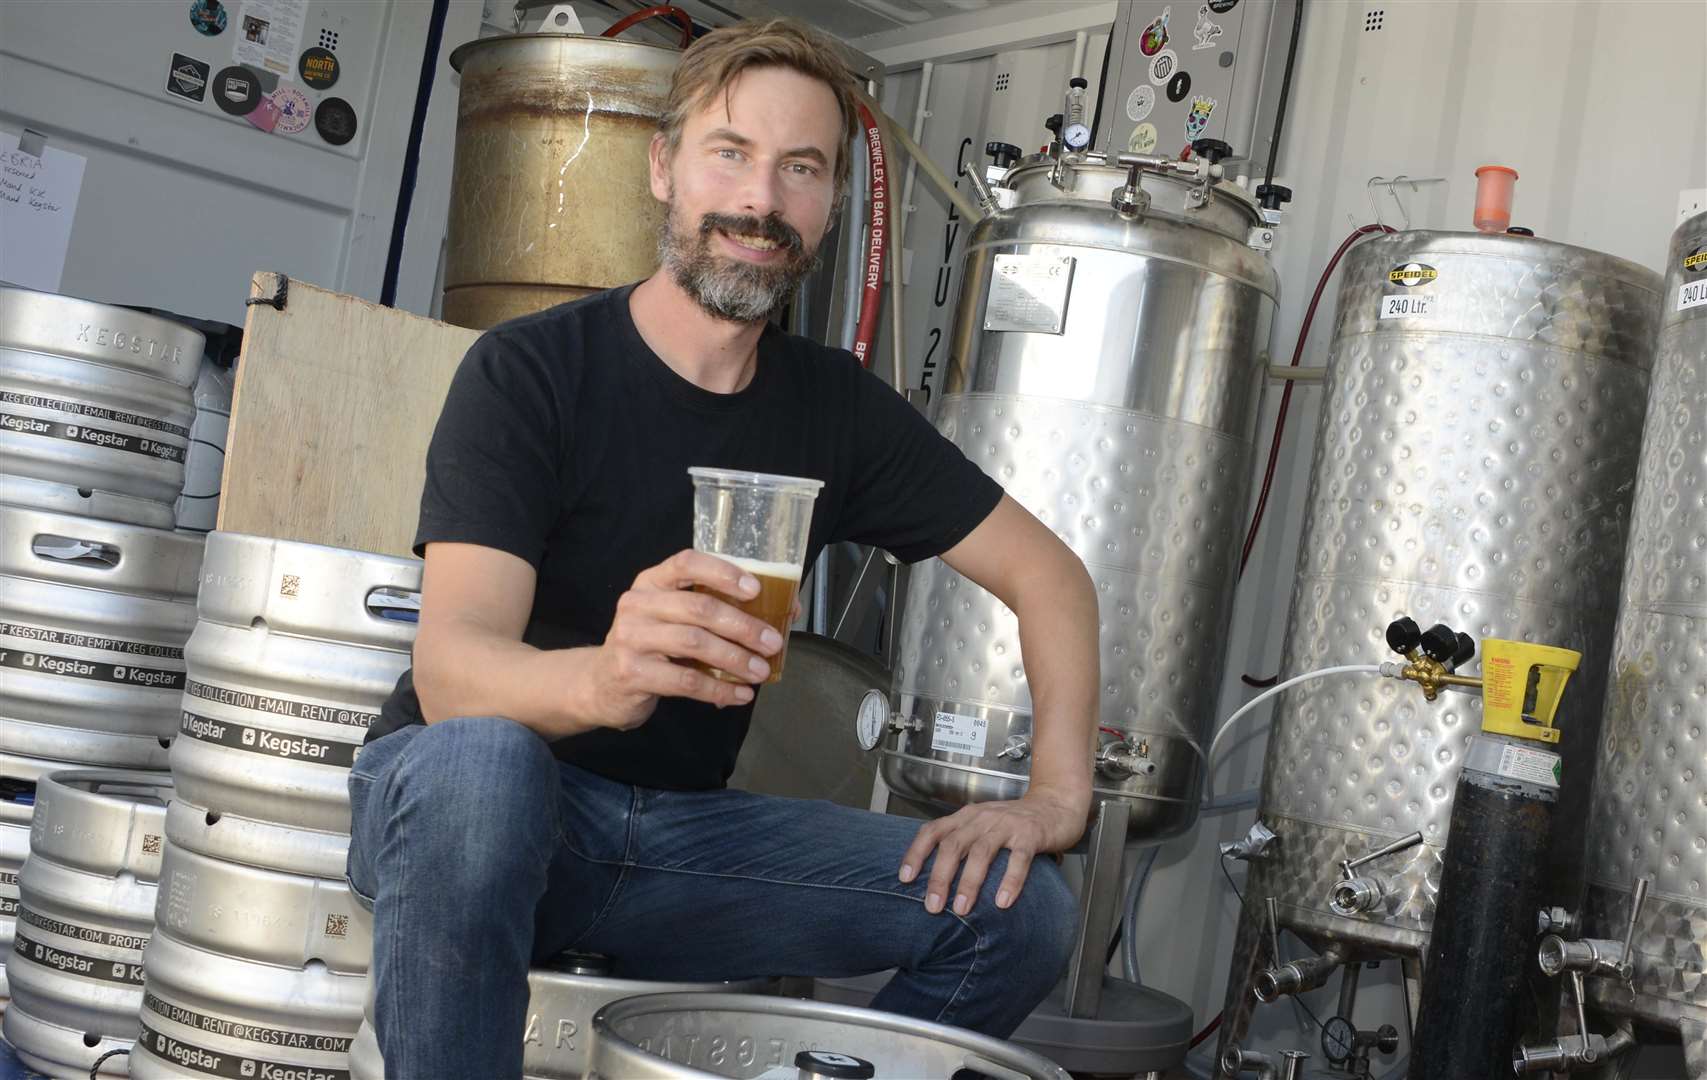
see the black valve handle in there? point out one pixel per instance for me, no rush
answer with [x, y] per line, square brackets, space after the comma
[1403, 635]
[1466, 649]
[1440, 642]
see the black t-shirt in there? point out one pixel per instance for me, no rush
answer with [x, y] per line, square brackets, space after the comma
[565, 440]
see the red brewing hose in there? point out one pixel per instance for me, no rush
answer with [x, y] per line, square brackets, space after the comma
[871, 292]
[673, 12]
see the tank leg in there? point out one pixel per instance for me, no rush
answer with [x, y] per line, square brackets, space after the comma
[1695, 1048]
[1249, 956]
[1412, 966]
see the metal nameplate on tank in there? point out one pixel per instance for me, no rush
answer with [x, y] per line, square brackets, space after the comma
[1028, 293]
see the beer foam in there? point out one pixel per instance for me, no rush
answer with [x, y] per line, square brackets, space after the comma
[784, 571]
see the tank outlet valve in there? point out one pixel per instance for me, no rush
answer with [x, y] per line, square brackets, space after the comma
[1237, 1061]
[1017, 749]
[1590, 956]
[1356, 896]
[1571, 1053]
[1120, 760]
[1254, 844]
[1295, 977]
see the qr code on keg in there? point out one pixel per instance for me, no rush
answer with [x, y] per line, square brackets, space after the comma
[150, 844]
[337, 925]
[289, 584]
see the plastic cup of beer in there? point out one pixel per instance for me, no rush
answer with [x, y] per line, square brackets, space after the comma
[761, 523]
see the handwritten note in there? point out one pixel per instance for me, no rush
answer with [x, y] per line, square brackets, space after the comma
[38, 200]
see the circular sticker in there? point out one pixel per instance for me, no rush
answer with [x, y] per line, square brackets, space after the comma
[1163, 67]
[1143, 139]
[1221, 7]
[335, 121]
[318, 67]
[207, 16]
[1179, 86]
[237, 90]
[295, 112]
[1140, 102]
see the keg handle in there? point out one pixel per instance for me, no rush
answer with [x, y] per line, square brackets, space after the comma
[71, 550]
[393, 605]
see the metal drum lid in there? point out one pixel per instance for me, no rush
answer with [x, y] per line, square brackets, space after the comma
[208, 1014]
[85, 914]
[740, 1035]
[1229, 209]
[237, 839]
[286, 921]
[95, 407]
[559, 1021]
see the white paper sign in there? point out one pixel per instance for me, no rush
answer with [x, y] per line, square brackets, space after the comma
[1410, 306]
[959, 734]
[38, 201]
[268, 32]
[1691, 294]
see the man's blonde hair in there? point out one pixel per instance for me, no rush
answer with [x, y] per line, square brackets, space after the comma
[713, 63]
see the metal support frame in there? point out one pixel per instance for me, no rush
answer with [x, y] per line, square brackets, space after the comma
[1099, 908]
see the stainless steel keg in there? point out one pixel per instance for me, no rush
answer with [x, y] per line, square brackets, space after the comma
[95, 407]
[93, 620]
[17, 804]
[561, 1004]
[682, 1036]
[296, 647]
[1650, 789]
[1105, 368]
[1473, 466]
[262, 970]
[85, 913]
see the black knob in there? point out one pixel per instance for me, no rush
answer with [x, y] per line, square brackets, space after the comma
[1054, 123]
[1214, 150]
[1387, 1038]
[1078, 82]
[1403, 635]
[1273, 196]
[1439, 642]
[1519, 230]
[829, 1063]
[1002, 154]
[1466, 649]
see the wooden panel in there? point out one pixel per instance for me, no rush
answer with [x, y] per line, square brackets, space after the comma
[336, 399]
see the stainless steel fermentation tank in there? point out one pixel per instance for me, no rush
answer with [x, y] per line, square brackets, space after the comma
[1649, 816]
[1105, 368]
[1474, 466]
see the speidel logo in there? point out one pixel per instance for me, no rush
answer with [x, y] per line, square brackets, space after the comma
[1696, 261]
[1412, 274]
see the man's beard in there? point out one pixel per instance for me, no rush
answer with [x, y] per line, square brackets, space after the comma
[728, 288]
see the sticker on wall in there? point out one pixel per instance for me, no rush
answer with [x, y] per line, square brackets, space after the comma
[295, 110]
[1155, 36]
[1179, 86]
[335, 120]
[318, 67]
[1143, 139]
[1140, 102]
[1221, 7]
[1198, 118]
[207, 16]
[1163, 67]
[1206, 31]
[1412, 274]
[237, 90]
[268, 34]
[187, 78]
[265, 115]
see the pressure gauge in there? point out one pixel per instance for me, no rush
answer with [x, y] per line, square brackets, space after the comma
[873, 719]
[1076, 136]
[1339, 1040]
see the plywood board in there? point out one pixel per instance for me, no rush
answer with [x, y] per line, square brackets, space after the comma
[336, 399]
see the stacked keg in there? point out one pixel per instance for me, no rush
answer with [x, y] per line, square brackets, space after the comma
[258, 966]
[96, 592]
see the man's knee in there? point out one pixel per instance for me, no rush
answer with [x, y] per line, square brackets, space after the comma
[1040, 929]
[476, 781]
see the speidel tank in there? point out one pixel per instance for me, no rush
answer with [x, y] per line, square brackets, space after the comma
[95, 407]
[1473, 466]
[1649, 816]
[85, 916]
[549, 199]
[296, 647]
[93, 620]
[1105, 369]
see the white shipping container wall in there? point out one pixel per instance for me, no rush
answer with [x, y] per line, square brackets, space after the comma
[1600, 105]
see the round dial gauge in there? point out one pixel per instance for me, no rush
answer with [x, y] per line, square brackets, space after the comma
[1076, 136]
[873, 719]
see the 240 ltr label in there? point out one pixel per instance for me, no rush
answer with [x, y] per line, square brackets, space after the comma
[1420, 306]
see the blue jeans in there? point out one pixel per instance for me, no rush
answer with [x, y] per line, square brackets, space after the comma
[481, 854]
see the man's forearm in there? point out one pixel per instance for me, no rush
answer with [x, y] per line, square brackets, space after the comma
[1057, 611]
[464, 670]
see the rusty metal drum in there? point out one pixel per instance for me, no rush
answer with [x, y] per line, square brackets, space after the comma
[549, 197]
